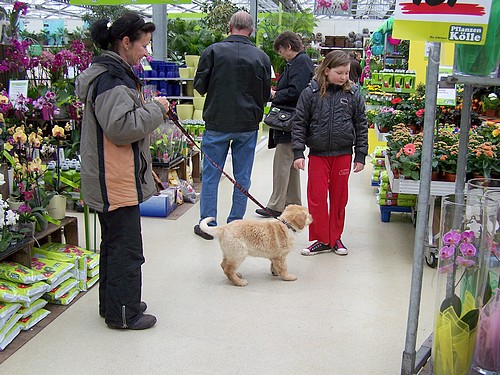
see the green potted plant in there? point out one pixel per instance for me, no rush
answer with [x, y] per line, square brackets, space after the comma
[491, 105]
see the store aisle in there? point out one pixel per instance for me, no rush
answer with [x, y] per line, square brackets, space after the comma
[344, 315]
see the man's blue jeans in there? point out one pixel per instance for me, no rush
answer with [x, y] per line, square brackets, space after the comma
[216, 146]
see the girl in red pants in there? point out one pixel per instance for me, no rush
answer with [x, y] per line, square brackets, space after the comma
[330, 120]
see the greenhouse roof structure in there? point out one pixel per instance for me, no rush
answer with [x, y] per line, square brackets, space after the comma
[63, 9]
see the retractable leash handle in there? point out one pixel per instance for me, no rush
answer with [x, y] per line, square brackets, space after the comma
[175, 119]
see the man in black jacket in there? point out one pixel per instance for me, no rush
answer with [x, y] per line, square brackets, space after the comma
[236, 76]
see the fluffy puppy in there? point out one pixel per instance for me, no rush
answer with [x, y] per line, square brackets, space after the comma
[270, 239]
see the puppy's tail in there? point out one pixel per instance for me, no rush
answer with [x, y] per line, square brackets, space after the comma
[213, 231]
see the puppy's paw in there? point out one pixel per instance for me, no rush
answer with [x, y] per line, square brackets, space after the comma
[289, 277]
[273, 271]
[239, 275]
[241, 282]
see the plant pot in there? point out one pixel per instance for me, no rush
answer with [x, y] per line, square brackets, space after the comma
[57, 207]
[466, 236]
[490, 112]
[14, 204]
[29, 229]
[436, 176]
[449, 177]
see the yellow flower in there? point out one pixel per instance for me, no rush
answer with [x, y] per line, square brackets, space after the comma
[496, 132]
[19, 135]
[35, 140]
[67, 127]
[57, 131]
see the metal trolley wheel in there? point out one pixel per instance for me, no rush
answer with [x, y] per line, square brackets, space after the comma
[431, 257]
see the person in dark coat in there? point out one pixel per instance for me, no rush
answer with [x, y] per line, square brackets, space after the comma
[355, 68]
[298, 72]
[236, 77]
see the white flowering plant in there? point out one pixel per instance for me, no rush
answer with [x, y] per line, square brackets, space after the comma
[8, 221]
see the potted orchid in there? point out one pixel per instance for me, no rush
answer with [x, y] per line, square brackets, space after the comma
[8, 220]
[467, 230]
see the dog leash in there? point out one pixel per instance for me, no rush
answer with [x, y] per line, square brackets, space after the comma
[173, 116]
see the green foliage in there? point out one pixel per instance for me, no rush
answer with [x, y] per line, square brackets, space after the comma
[188, 37]
[109, 12]
[270, 27]
[218, 14]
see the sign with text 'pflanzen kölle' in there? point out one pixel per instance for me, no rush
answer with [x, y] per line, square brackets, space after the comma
[125, 2]
[451, 21]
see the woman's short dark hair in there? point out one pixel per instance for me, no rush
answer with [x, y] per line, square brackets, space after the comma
[288, 38]
[106, 34]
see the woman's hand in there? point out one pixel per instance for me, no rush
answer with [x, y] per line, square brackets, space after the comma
[299, 163]
[164, 102]
[358, 167]
[273, 94]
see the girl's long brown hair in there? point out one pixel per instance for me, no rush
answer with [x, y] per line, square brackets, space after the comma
[332, 60]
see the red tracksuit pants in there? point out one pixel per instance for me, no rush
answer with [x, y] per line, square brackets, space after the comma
[327, 194]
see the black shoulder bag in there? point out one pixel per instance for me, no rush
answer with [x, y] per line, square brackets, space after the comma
[280, 118]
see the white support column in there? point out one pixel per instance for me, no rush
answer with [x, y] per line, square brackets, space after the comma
[160, 34]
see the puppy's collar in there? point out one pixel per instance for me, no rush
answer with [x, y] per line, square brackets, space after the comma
[287, 224]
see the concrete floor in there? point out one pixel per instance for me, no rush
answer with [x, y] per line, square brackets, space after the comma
[344, 315]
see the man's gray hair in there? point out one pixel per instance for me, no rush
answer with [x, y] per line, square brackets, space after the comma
[241, 20]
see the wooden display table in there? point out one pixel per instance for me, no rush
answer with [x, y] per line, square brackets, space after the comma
[21, 252]
[180, 165]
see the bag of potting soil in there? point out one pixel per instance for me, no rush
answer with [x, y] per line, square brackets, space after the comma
[29, 321]
[93, 272]
[53, 269]
[7, 327]
[92, 280]
[18, 273]
[7, 309]
[32, 308]
[92, 258]
[33, 298]
[61, 257]
[9, 336]
[15, 292]
[60, 290]
[65, 299]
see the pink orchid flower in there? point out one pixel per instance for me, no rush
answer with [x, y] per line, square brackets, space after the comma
[468, 236]
[452, 237]
[446, 269]
[446, 252]
[468, 249]
[467, 263]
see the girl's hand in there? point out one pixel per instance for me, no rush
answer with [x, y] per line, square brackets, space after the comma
[299, 163]
[358, 167]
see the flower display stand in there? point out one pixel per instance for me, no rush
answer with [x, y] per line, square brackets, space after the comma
[21, 252]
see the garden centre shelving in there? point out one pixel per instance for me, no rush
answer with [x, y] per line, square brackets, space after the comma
[21, 253]
[412, 360]
[182, 82]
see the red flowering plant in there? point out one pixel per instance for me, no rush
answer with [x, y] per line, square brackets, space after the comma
[405, 151]
[411, 109]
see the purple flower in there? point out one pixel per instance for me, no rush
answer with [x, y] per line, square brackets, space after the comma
[467, 263]
[446, 269]
[452, 237]
[468, 236]
[446, 252]
[468, 249]
[24, 208]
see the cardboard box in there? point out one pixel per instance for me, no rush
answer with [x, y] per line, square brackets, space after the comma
[157, 206]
